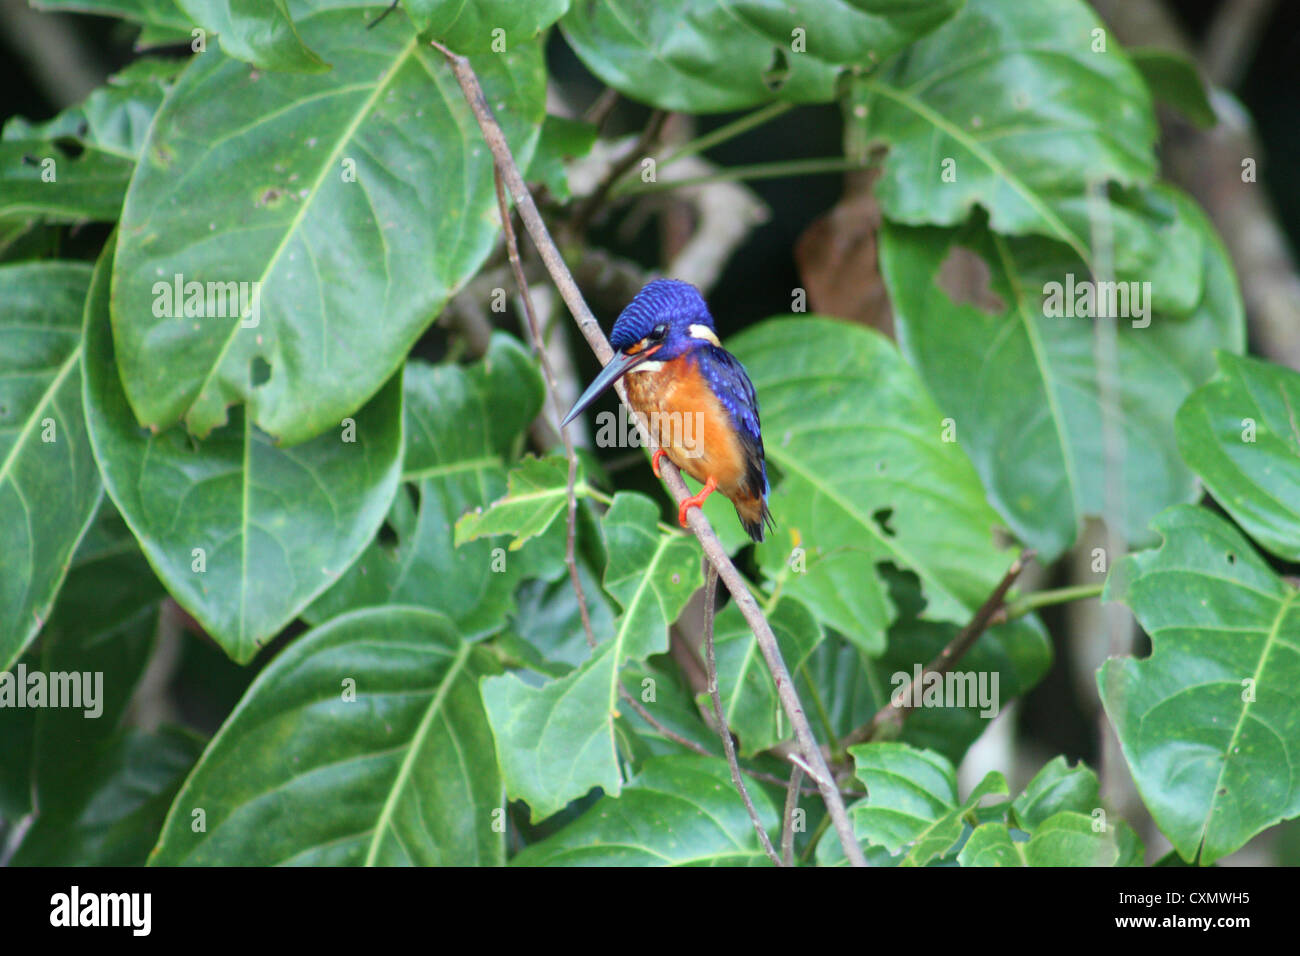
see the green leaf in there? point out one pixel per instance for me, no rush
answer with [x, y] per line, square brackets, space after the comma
[1064, 839]
[1173, 79]
[454, 463]
[535, 495]
[49, 485]
[1021, 381]
[471, 27]
[707, 56]
[1006, 662]
[158, 13]
[557, 741]
[1241, 433]
[127, 790]
[265, 554]
[1208, 722]
[678, 811]
[888, 488]
[562, 141]
[399, 771]
[1055, 788]
[98, 792]
[1008, 105]
[259, 32]
[351, 203]
[912, 800]
[749, 698]
[40, 176]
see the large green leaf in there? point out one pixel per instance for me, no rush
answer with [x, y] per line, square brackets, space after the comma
[454, 462]
[260, 32]
[1009, 106]
[276, 526]
[1209, 722]
[156, 13]
[706, 56]
[678, 811]
[749, 698]
[557, 741]
[861, 476]
[352, 203]
[364, 742]
[40, 175]
[1021, 384]
[472, 27]
[1241, 434]
[49, 484]
[536, 493]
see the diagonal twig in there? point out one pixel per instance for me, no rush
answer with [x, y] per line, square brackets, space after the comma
[552, 394]
[992, 608]
[713, 550]
[728, 745]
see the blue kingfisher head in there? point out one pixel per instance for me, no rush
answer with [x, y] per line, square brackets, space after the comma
[664, 321]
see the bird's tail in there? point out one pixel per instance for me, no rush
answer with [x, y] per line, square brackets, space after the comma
[753, 515]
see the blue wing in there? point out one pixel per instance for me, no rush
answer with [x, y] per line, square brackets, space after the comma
[727, 377]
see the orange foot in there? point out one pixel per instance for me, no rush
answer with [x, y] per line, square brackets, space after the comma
[654, 462]
[696, 501]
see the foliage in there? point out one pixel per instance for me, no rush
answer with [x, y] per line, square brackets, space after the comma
[243, 408]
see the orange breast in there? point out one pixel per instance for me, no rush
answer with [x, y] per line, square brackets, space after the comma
[689, 423]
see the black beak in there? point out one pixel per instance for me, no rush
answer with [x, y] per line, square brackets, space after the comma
[618, 366]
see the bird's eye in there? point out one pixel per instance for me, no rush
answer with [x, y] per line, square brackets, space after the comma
[659, 331]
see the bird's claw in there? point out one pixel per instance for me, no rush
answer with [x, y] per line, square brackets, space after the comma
[695, 501]
[654, 462]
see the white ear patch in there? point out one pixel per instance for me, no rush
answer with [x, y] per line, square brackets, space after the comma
[705, 333]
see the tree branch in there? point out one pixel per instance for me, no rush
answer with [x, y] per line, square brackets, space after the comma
[895, 714]
[552, 393]
[713, 550]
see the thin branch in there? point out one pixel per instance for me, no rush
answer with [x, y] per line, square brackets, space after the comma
[787, 818]
[699, 524]
[946, 658]
[600, 110]
[1031, 602]
[728, 745]
[775, 170]
[552, 393]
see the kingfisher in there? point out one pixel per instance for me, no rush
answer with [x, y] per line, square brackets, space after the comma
[699, 403]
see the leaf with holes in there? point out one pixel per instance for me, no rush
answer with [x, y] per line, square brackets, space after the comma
[76, 166]
[49, 484]
[1209, 722]
[706, 56]
[556, 742]
[678, 811]
[887, 489]
[363, 742]
[213, 517]
[976, 315]
[1241, 434]
[340, 210]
